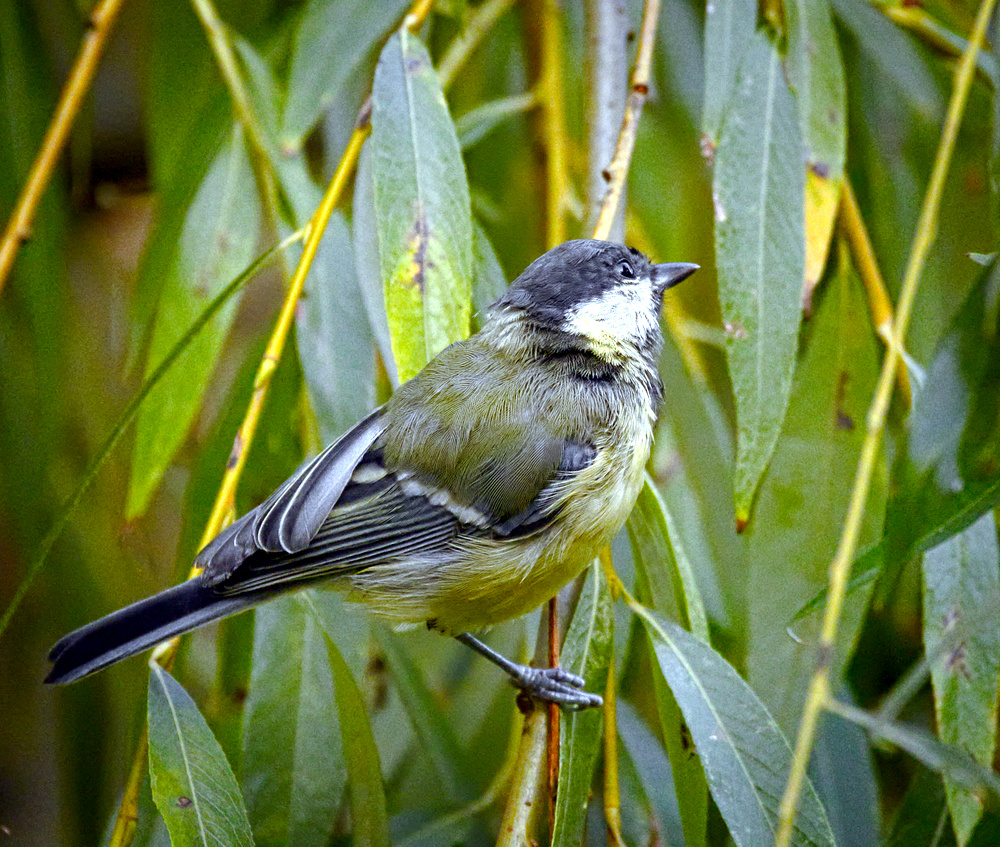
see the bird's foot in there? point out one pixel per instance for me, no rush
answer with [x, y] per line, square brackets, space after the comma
[555, 685]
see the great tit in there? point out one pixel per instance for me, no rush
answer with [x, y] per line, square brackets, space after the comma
[484, 485]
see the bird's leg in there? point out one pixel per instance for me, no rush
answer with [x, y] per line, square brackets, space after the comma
[554, 684]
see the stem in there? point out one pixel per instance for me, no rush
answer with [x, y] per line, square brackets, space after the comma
[819, 684]
[99, 26]
[225, 57]
[552, 747]
[556, 135]
[606, 25]
[480, 22]
[867, 265]
[612, 792]
[617, 170]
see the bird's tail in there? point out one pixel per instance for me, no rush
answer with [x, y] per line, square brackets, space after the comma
[138, 627]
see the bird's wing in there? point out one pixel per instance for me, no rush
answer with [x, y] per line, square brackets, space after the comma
[291, 517]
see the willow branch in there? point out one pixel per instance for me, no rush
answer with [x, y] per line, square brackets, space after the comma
[18, 231]
[819, 685]
[617, 170]
[871, 277]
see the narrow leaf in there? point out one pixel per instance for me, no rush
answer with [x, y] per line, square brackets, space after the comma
[429, 721]
[816, 76]
[923, 816]
[293, 768]
[217, 242]
[745, 756]
[330, 42]
[760, 250]
[804, 499]
[424, 218]
[587, 650]
[365, 790]
[729, 26]
[962, 605]
[334, 337]
[193, 785]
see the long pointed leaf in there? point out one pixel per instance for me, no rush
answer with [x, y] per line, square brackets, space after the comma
[193, 785]
[424, 216]
[760, 250]
[745, 756]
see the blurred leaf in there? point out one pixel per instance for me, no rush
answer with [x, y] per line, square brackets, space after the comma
[217, 242]
[760, 243]
[193, 785]
[923, 816]
[954, 764]
[949, 471]
[729, 30]
[843, 771]
[816, 75]
[652, 769]
[488, 280]
[993, 37]
[682, 50]
[424, 218]
[587, 650]
[660, 555]
[477, 123]
[365, 790]
[293, 769]
[962, 606]
[332, 39]
[745, 756]
[429, 720]
[334, 337]
[804, 499]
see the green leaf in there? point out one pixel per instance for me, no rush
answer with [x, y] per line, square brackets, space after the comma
[331, 41]
[334, 337]
[424, 218]
[479, 122]
[365, 791]
[217, 242]
[429, 721]
[663, 561]
[760, 243]
[804, 499]
[488, 281]
[961, 607]
[816, 76]
[745, 756]
[923, 816]
[729, 28]
[293, 768]
[949, 471]
[587, 650]
[954, 764]
[193, 785]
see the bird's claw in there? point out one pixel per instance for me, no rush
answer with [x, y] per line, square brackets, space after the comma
[557, 686]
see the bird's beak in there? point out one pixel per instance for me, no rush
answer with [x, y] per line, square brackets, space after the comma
[669, 274]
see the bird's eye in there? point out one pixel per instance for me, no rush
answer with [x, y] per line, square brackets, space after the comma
[626, 271]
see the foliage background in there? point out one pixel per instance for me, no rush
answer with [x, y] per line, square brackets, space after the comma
[158, 205]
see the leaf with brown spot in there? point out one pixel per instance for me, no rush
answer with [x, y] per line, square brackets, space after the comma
[961, 609]
[422, 208]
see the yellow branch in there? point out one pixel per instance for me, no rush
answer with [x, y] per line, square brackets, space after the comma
[82, 74]
[556, 144]
[819, 684]
[617, 170]
[871, 277]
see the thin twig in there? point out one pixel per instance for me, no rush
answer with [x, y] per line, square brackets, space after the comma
[552, 748]
[612, 792]
[867, 265]
[819, 684]
[225, 57]
[480, 22]
[99, 26]
[617, 170]
[126, 418]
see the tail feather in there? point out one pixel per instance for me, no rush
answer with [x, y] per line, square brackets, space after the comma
[139, 627]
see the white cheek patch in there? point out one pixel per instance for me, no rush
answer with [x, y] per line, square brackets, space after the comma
[624, 314]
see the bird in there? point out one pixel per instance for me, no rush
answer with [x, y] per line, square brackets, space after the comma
[476, 492]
